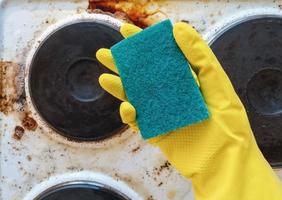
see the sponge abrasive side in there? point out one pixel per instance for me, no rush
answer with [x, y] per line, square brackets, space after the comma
[158, 81]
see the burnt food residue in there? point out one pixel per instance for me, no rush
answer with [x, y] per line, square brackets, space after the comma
[18, 133]
[137, 12]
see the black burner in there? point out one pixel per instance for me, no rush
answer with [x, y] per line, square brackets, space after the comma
[80, 191]
[251, 54]
[64, 82]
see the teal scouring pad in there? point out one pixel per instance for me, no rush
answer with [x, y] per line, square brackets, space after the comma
[158, 81]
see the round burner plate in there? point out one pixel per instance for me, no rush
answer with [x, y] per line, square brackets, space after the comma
[81, 190]
[63, 82]
[251, 54]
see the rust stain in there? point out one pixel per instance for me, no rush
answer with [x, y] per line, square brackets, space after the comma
[141, 13]
[29, 123]
[8, 85]
[12, 96]
[18, 133]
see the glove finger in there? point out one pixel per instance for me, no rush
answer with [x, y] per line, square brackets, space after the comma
[106, 58]
[215, 85]
[128, 30]
[128, 114]
[113, 85]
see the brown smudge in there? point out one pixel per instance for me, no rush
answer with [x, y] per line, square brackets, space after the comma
[125, 178]
[16, 148]
[171, 194]
[130, 180]
[186, 21]
[29, 123]
[135, 149]
[28, 157]
[137, 12]
[165, 166]
[19, 132]
[150, 197]
[8, 85]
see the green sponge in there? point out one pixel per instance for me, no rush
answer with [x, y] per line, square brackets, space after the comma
[158, 81]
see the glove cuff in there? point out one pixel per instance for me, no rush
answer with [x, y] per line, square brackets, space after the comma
[244, 176]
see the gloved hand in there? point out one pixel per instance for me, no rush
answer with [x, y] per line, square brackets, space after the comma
[219, 155]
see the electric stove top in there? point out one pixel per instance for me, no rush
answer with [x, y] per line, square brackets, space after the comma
[61, 134]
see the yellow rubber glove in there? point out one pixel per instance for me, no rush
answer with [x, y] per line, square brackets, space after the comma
[219, 155]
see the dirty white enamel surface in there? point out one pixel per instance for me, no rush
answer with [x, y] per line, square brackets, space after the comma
[29, 163]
